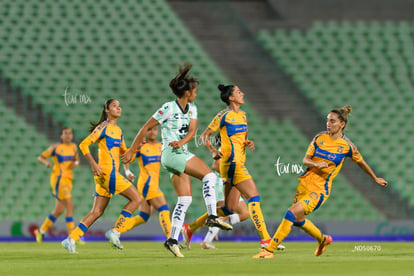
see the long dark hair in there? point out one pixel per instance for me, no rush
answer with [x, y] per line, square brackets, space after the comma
[225, 92]
[104, 115]
[183, 81]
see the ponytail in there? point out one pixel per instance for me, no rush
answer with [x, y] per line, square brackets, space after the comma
[104, 115]
[343, 113]
[183, 81]
[225, 92]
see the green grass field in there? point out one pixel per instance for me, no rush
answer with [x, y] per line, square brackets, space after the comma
[231, 258]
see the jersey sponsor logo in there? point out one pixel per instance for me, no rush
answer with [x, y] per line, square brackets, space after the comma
[331, 156]
[340, 149]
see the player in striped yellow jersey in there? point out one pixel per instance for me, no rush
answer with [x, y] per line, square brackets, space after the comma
[149, 161]
[65, 159]
[232, 123]
[108, 180]
[324, 159]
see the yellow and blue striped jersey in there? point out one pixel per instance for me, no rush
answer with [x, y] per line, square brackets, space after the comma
[149, 160]
[63, 156]
[110, 142]
[333, 152]
[233, 132]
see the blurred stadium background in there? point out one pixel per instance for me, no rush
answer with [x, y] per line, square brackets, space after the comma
[295, 60]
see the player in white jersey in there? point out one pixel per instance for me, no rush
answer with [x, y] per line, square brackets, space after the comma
[178, 120]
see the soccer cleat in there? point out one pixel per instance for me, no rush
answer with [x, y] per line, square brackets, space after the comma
[327, 240]
[264, 254]
[81, 241]
[39, 236]
[172, 246]
[265, 243]
[70, 245]
[187, 235]
[214, 221]
[280, 247]
[113, 237]
[207, 245]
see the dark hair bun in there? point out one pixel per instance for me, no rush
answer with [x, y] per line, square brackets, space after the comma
[222, 87]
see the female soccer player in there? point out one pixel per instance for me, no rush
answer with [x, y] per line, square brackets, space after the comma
[178, 120]
[324, 159]
[232, 123]
[242, 214]
[65, 159]
[149, 160]
[242, 211]
[108, 180]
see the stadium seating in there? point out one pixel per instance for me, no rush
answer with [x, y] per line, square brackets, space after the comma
[130, 52]
[367, 65]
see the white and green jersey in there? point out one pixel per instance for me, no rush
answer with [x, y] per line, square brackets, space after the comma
[174, 121]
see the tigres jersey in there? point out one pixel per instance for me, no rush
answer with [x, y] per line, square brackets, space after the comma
[63, 156]
[110, 142]
[333, 152]
[233, 132]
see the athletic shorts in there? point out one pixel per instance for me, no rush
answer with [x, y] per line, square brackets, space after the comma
[233, 172]
[110, 184]
[149, 188]
[310, 200]
[61, 187]
[174, 160]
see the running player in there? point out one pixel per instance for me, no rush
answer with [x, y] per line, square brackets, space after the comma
[232, 123]
[65, 158]
[108, 180]
[178, 120]
[149, 160]
[324, 159]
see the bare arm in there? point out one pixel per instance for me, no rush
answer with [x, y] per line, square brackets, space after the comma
[192, 128]
[128, 173]
[45, 162]
[205, 138]
[307, 161]
[216, 165]
[139, 139]
[366, 168]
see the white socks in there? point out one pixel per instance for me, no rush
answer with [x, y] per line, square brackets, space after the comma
[234, 219]
[178, 215]
[209, 193]
[213, 231]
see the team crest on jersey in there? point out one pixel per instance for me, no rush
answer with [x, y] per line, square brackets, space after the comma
[331, 156]
[340, 149]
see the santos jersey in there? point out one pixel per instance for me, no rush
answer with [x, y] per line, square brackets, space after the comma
[174, 121]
